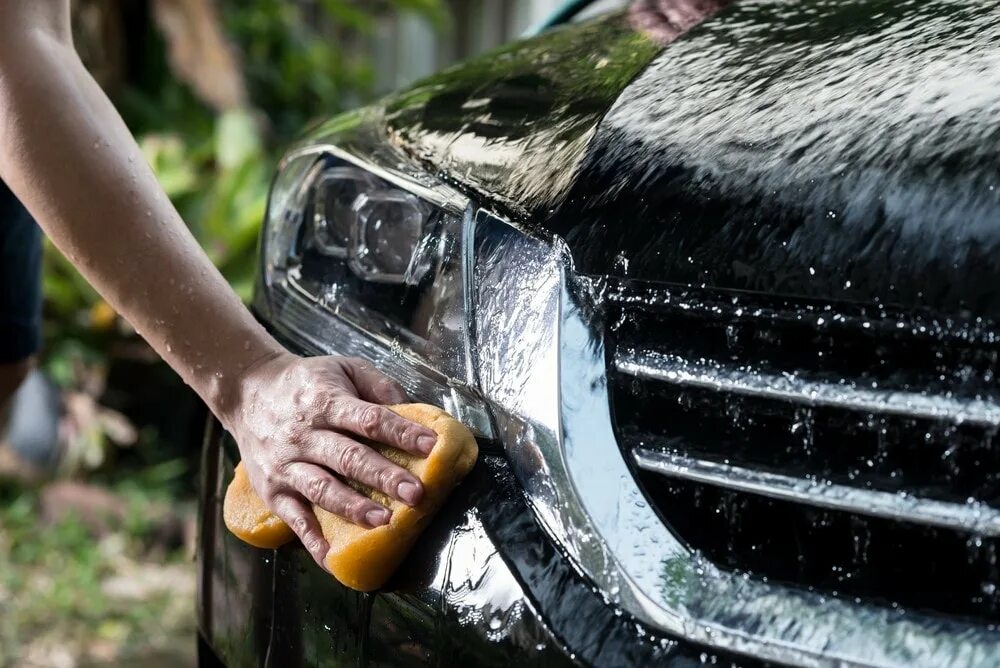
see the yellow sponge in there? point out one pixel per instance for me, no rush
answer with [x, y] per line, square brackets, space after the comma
[360, 558]
[249, 519]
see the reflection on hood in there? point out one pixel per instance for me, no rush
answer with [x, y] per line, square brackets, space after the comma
[666, 20]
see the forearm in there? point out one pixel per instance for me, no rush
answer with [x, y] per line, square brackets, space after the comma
[68, 156]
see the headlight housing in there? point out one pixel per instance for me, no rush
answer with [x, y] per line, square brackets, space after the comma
[355, 253]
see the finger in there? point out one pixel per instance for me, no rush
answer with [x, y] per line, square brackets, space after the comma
[381, 425]
[373, 385]
[300, 517]
[356, 461]
[322, 488]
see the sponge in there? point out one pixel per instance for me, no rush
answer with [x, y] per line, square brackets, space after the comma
[360, 558]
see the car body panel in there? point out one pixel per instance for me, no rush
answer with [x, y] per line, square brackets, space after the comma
[512, 125]
[830, 150]
[471, 593]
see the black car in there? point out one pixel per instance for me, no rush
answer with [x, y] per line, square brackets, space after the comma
[717, 287]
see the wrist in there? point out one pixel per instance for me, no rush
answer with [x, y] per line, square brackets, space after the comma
[229, 391]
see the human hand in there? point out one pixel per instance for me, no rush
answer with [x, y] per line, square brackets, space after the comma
[298, 420]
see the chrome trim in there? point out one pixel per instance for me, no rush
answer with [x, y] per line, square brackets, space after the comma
[977, 518]
[388, 163]
[540, 357]
[676, 370]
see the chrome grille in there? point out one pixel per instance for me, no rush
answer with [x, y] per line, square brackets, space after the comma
[845, 450]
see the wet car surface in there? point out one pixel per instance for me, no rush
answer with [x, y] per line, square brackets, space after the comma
[713, 285]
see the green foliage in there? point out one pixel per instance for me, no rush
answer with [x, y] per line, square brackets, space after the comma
[304, 60]
[301, 60]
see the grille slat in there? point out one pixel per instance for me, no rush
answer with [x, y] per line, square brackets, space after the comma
[973, 517]
[847, 450]
[651, 365]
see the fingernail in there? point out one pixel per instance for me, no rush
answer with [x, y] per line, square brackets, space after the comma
[377, 517]
[426, 443]
[409, 492]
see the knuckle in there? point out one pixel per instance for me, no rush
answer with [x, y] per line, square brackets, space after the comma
[387, 386]
[300, 525]
[315, 547]
[284, 468]
[317, 488]
[352, 456]
[295, 435]
[370, 419]
[328, 406]
[390, 477]
[409, 432]
[269, 477]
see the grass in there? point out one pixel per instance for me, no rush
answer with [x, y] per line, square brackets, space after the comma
[73, 596]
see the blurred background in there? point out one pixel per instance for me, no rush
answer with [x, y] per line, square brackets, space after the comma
[96, 537]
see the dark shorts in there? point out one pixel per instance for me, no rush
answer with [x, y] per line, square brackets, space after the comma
[20, 280]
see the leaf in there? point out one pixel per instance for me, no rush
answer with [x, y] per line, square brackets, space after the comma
[237, 139]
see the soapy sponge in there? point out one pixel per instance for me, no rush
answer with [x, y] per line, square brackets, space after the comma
[360, 558]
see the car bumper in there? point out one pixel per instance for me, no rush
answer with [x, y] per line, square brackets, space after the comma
[455, 601]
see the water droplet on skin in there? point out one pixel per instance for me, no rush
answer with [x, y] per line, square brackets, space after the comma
[170, 348]
[246, 345]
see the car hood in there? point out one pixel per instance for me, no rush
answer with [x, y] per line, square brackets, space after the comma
[512, 126]
[845, 150]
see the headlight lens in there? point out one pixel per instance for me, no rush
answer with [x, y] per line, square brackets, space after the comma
[388, 228]
[335, 191]
[352, 244]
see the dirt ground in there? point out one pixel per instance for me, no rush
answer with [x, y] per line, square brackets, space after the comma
[91, 576]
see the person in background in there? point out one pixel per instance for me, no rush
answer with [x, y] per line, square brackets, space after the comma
[67, 156]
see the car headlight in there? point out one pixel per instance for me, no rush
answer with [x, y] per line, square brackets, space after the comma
[358, 260]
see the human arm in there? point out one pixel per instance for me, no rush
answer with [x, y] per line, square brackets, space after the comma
[66, 153]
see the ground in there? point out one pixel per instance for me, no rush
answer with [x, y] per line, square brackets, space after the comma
[95, 575]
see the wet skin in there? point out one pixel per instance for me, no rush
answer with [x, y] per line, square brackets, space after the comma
[66, 154]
